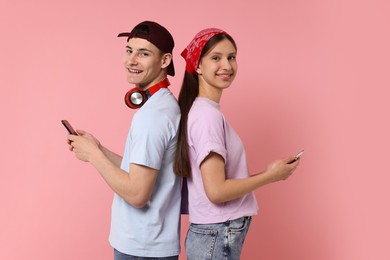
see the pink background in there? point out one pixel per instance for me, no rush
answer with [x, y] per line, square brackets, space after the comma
[313, 75]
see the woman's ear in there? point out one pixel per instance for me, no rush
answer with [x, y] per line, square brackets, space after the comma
[166, 60]
[199, 71]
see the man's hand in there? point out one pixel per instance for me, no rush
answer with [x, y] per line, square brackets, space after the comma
[85, 146]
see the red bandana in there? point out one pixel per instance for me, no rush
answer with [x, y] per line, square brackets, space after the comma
[191, 54]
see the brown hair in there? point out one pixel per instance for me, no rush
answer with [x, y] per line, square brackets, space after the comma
[188, 92]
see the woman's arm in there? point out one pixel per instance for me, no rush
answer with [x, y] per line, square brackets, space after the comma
[219, 189]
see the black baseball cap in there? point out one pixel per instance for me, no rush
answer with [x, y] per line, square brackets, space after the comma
[157, 35]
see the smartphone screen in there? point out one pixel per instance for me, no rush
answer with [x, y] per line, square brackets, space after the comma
[69, 127]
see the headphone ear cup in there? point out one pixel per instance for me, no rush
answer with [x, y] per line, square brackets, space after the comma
[135, 98]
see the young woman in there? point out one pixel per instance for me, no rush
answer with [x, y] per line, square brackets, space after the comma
[211, 156]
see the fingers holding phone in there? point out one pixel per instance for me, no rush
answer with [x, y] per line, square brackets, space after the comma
[295, 162]
[71, 131]
[282, 169]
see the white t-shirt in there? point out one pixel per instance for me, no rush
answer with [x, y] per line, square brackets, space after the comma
[208, 131]
[154, 230]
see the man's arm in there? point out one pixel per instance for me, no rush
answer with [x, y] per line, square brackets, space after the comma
[135, 187]
[115, 158]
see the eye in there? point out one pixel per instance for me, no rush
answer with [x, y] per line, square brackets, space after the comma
[129, 51]
[232, 57]
[216, 58]
[143, 54]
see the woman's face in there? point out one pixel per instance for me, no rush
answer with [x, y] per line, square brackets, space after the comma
[218, 67]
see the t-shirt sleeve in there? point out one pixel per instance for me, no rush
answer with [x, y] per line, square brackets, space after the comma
[150, 135]
[207, 134]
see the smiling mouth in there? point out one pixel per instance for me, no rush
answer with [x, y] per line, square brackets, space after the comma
[225, 75]
[134, 71]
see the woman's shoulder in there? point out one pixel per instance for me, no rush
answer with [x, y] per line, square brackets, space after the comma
[206, 109]
[205, 116]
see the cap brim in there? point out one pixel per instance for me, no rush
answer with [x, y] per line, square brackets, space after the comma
[124, 34]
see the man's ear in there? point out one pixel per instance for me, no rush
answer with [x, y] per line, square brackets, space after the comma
[199, 71]
[166, 60]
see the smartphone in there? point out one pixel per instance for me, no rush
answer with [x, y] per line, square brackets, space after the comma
[297, 156]
[69, 127]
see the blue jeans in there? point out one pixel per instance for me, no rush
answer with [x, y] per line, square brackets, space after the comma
[121, 256]
[217, 241]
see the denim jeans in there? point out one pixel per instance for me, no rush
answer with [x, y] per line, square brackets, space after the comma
[121, 256]
[217, 241]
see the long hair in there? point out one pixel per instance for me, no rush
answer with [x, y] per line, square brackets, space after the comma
[188, 93]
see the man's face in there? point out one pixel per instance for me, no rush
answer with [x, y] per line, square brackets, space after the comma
[144, 63]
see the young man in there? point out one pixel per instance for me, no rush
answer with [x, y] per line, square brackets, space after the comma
[146, 207]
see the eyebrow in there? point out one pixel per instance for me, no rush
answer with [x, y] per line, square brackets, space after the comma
[220, 53]
[140, 49]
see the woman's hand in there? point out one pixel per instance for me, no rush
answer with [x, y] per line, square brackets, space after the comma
[282, 169]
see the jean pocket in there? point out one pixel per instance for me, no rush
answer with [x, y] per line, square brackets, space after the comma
[238, 225]
[236, 235]
[200, 243]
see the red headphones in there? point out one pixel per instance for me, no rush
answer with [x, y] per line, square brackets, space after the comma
[136, 97]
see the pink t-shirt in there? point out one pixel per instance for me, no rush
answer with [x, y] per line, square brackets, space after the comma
[208, 131]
